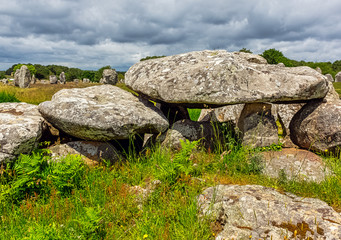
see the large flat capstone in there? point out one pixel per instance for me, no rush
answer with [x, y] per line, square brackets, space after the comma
[102, 113]
[220, 78]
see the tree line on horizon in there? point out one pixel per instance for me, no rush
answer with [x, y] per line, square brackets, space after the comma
[272, 56]
[43, 72]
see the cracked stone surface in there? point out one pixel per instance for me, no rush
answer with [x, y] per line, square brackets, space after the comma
[221, 78]
[264, 213]
[102, 113]
[21, 127]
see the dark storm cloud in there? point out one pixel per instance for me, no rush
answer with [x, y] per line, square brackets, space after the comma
[93, 33]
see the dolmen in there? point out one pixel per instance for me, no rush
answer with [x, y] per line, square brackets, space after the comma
[241, 82]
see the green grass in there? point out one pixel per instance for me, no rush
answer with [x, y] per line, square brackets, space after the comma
[337, 86]
[7, 97]
[194, 113]
[40, 199]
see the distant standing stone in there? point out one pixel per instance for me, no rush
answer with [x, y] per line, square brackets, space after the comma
[33, 80]
[330, 77]
[53, 79]
[62, 78]
[86, 80]
[318, 70]
[24, 77]
[338, 77]
[16, 78]
[109, 77]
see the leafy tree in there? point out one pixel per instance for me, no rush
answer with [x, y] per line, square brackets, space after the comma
[245, 50]
[42, 71]
[73, 73]
[337, 66]
[30, 67]
[2, 74]
[274, 56]
[89, 74]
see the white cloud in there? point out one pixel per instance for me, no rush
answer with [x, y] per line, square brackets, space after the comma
[92, 33]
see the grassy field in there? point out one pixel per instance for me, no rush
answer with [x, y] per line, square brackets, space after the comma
[41, 199]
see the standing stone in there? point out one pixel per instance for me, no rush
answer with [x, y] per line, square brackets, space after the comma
[22, 77]
[318, 70]
[33, 80]
[317, 126]
[53, 79]
[222, 78]
[109, 76]
[62, 78]
[338, 77]
[16, 78]
[76, 80]
[86, 80]
[102, 113]
[329, 77]
[257, 125]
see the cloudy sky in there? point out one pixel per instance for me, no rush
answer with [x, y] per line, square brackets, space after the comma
[90, 34]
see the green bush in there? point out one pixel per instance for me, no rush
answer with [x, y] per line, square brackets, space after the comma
[7, 97]
[37, 174]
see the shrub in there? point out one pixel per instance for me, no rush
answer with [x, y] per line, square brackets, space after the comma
[8, 97]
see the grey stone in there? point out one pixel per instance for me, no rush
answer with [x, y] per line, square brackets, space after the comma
[102, 113]
[53, 79]
[76, 80]
[22, 77]
[222, 114]
[91, 152]
[257, 125]
[33, 80]
[264, 213]
[317, 126]
[318, 70]
[285, 113]
[329, 77]
[221, 78]
[191, 130]
[16, 78]
[5, 81]
[86, 80]
[109, 76]
[21, 127]
[62, 78]
[338, 77]
[296, 164]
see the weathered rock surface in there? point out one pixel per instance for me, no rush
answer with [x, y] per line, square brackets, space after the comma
[338, 77]
[109, 76]
[62, 78]
[257, 125]
[53, 79]
[264, 213]
[21, 127]
[102, 113]
[33, 79]
[91, 152]
[16, 78]
[318, 70]
[296, 164]
[22, 77]
[86, 80]
[222, 114]
[329, 77]
[317, 126]
[221, 78]
[191, 130]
